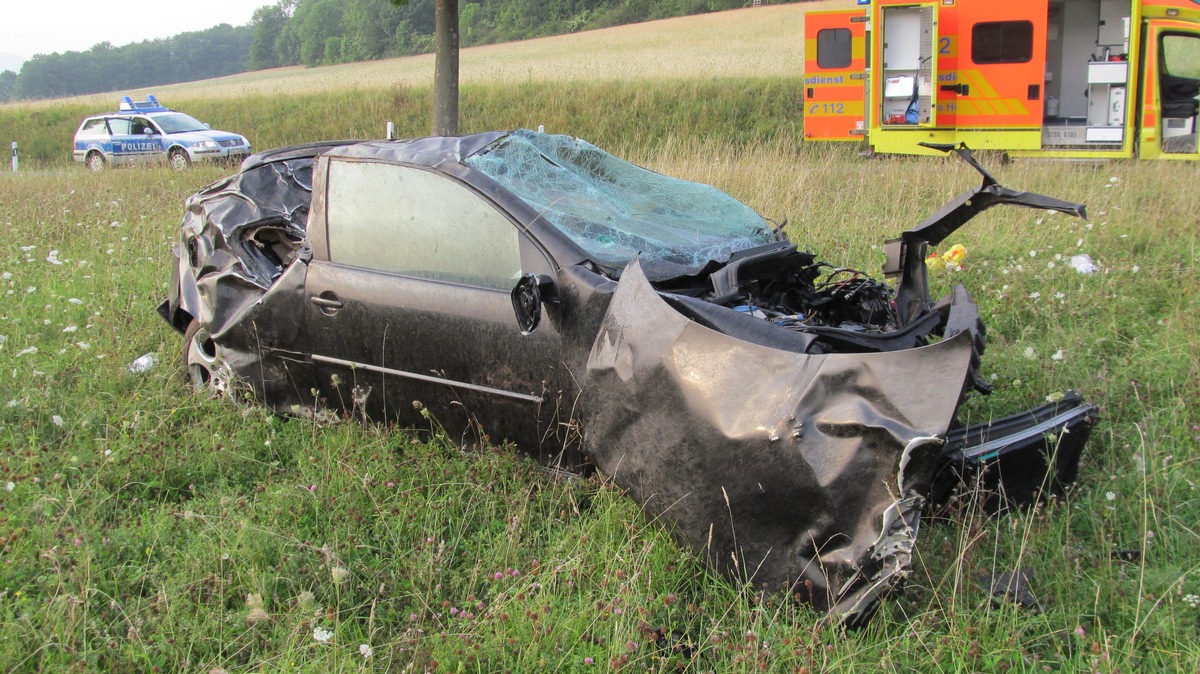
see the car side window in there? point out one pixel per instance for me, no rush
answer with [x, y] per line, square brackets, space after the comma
[93, 127]
[140, 126]
[414, 222]
[119, 126]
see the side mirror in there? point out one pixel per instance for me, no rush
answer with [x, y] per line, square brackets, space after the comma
[527, 299]
[207, 125]
[148, 131]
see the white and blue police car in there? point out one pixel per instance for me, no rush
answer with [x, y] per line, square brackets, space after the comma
[146, 131]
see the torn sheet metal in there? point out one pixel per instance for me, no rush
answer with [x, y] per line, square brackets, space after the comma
[802, 472]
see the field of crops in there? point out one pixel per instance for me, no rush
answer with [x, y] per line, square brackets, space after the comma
[144, 527]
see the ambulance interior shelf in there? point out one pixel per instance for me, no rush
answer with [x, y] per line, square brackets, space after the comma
[907, 66]
[1106, 101]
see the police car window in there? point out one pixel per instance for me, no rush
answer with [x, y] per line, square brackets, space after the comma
[408, 221]
[141, 126]
[119, 126]
[833, 48]
[94, 127]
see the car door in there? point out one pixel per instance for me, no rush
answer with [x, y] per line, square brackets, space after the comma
[120, 140]
[410, 310]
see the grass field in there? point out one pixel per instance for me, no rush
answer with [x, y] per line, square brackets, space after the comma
[147, 528]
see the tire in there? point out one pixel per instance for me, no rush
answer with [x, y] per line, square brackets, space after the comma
[204, 365]
[95, 161]
[178, 159]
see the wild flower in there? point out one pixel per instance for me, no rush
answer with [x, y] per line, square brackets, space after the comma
[305, 599]
[1110, 496]
[339, 574]
[1058, 355]
[1192, 600]
[322, 635]
[1029, 353]
[58, 421]
[366, 650]
[10, 485]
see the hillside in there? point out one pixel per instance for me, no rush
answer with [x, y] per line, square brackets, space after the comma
[754, 42]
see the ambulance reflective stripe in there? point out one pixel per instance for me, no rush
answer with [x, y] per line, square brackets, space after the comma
[985, 107]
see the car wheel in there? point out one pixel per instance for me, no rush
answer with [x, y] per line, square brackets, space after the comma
[204, 364]
[95, 161]
[179, 160]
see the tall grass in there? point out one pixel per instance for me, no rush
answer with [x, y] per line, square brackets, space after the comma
[617, 114]
[145, 528]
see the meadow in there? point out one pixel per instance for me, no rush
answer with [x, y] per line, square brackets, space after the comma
[145, 527]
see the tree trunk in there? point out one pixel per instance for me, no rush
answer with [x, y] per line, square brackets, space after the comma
[445, 78]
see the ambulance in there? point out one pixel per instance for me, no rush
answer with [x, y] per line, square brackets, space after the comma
[1048, 78]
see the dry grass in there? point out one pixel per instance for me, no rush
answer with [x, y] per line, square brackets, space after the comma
[754, 42]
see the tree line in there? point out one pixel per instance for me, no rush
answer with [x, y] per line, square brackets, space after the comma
[321, 32]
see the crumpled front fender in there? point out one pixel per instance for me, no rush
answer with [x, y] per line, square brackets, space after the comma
[803, 472]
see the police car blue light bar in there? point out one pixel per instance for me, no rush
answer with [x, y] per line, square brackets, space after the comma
[151, 104]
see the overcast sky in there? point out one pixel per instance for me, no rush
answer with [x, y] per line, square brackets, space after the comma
[29, 27]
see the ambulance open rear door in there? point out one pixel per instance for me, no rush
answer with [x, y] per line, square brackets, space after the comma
[904, 78]
[835, 63]
[1001, 76]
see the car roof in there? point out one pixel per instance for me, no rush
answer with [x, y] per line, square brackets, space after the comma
[433, 152]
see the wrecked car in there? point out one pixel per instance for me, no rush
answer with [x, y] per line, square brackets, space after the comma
[771, 409]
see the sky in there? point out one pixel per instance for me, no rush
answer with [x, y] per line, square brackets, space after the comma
[29, 27]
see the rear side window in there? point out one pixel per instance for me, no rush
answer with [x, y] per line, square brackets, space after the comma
[1002, 42]
[94, 127]
[833, 48]
[408, 221]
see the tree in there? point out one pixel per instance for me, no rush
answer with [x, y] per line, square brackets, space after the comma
[445, 68]
[8, 78]
[268, 25]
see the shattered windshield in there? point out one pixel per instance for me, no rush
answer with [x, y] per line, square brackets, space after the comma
[614, 210]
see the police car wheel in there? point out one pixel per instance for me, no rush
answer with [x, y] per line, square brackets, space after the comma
[179, 160]
[95, 161]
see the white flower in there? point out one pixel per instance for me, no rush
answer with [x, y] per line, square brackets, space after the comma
[1113, 179]
[322, 635]
[1058, 355]
[83, 345]
[1033, 253]
[31, 289]
[366, 650]
[58, 421]
[75, 300]
[339, 574]
[1034, 295]
[6, 275]
[71, 328]
[1135, 269]
[10, 485]
[27, 352]
[1030, 353]
[1110, 496]
[1189, 598]
[28, 248]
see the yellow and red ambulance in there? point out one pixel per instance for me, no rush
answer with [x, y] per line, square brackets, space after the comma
[1051, 78]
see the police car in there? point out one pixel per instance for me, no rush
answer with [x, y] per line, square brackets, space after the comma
[146, 131]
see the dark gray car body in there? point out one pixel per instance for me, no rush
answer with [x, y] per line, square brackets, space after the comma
[786, 430]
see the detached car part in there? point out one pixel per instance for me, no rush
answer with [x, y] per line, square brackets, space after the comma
[775, 411]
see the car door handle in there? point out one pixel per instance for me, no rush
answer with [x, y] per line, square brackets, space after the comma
[328, 302]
